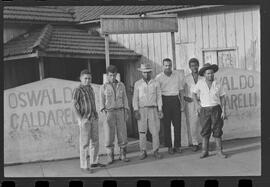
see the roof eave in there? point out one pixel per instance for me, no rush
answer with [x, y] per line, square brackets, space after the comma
[22, 56]
[161, 12]
[89, 56]
[39, 22]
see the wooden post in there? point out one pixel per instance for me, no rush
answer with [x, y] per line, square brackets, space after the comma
[41, 68]
[107, 52]
[89, 65]
[173, 50]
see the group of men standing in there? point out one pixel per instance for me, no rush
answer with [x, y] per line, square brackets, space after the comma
[162, 98]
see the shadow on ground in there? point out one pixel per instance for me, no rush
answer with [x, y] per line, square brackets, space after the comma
[237, 146]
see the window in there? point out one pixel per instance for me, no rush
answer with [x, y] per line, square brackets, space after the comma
[221, 57]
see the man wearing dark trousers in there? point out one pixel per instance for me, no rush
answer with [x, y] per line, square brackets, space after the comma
[172, 96]
[211, 109]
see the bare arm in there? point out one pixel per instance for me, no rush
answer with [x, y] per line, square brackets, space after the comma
[223, 107]
[159, 97]
[195, 99]
[181, 94]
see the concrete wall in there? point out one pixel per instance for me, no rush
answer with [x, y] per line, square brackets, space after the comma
[243, 102]
[39, 123]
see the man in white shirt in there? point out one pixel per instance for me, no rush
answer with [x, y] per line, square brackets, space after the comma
[172, 90]
[211, 108]
[192, 117]
[147, 104]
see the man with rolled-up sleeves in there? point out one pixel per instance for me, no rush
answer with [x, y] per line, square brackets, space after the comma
[211, 109]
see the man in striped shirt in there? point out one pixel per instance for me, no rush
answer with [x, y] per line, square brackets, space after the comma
[85, 109]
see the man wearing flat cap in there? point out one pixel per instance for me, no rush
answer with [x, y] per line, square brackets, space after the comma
[147, 104]
[211, 108]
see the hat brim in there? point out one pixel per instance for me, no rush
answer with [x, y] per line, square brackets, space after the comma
[145, 70]
[214, 67]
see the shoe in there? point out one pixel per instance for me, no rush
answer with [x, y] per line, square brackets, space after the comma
[170, 150]
[204, 154]
[157, 155]
[195, 148]
[143, 155]
[123, 155]
[110, 158]
[177, 150]
[219, 148]
[97, 165]
[87, 170]
[205, 145]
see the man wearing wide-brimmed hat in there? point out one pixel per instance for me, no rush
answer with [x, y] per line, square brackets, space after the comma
[147, 104]
[211, 108]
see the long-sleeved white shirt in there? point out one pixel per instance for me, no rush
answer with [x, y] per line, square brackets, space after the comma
[147, 94]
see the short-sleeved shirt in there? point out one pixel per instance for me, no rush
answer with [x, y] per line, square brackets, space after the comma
[189, 84]
[209, 97]
[170, 85]
[84, 101]
[147, 94]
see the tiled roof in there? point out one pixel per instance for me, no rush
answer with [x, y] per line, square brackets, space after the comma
[37, 13]
[88, 13]
[26, 43]
[68, 14]
[63, 40]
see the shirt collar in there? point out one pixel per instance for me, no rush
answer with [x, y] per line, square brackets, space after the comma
[150, 81]
[213, 83]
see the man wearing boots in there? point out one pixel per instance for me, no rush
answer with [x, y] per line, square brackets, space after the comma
[211, 109]
[172, 90]
[192, 117]
[114, 104]
[85, 109]
[147, 104]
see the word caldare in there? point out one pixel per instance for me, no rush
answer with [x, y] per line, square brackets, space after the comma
[39, 121]
[50, 118]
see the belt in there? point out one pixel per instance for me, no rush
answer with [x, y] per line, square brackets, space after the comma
[113, 109]
[149, 107]
[170, 96]
[210, 107]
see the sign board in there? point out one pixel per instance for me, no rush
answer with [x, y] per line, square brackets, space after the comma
[39, 123]
[126, 24]
[243, 102]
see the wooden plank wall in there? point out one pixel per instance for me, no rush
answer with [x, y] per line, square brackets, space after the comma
[231, 28]
[224, 28]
